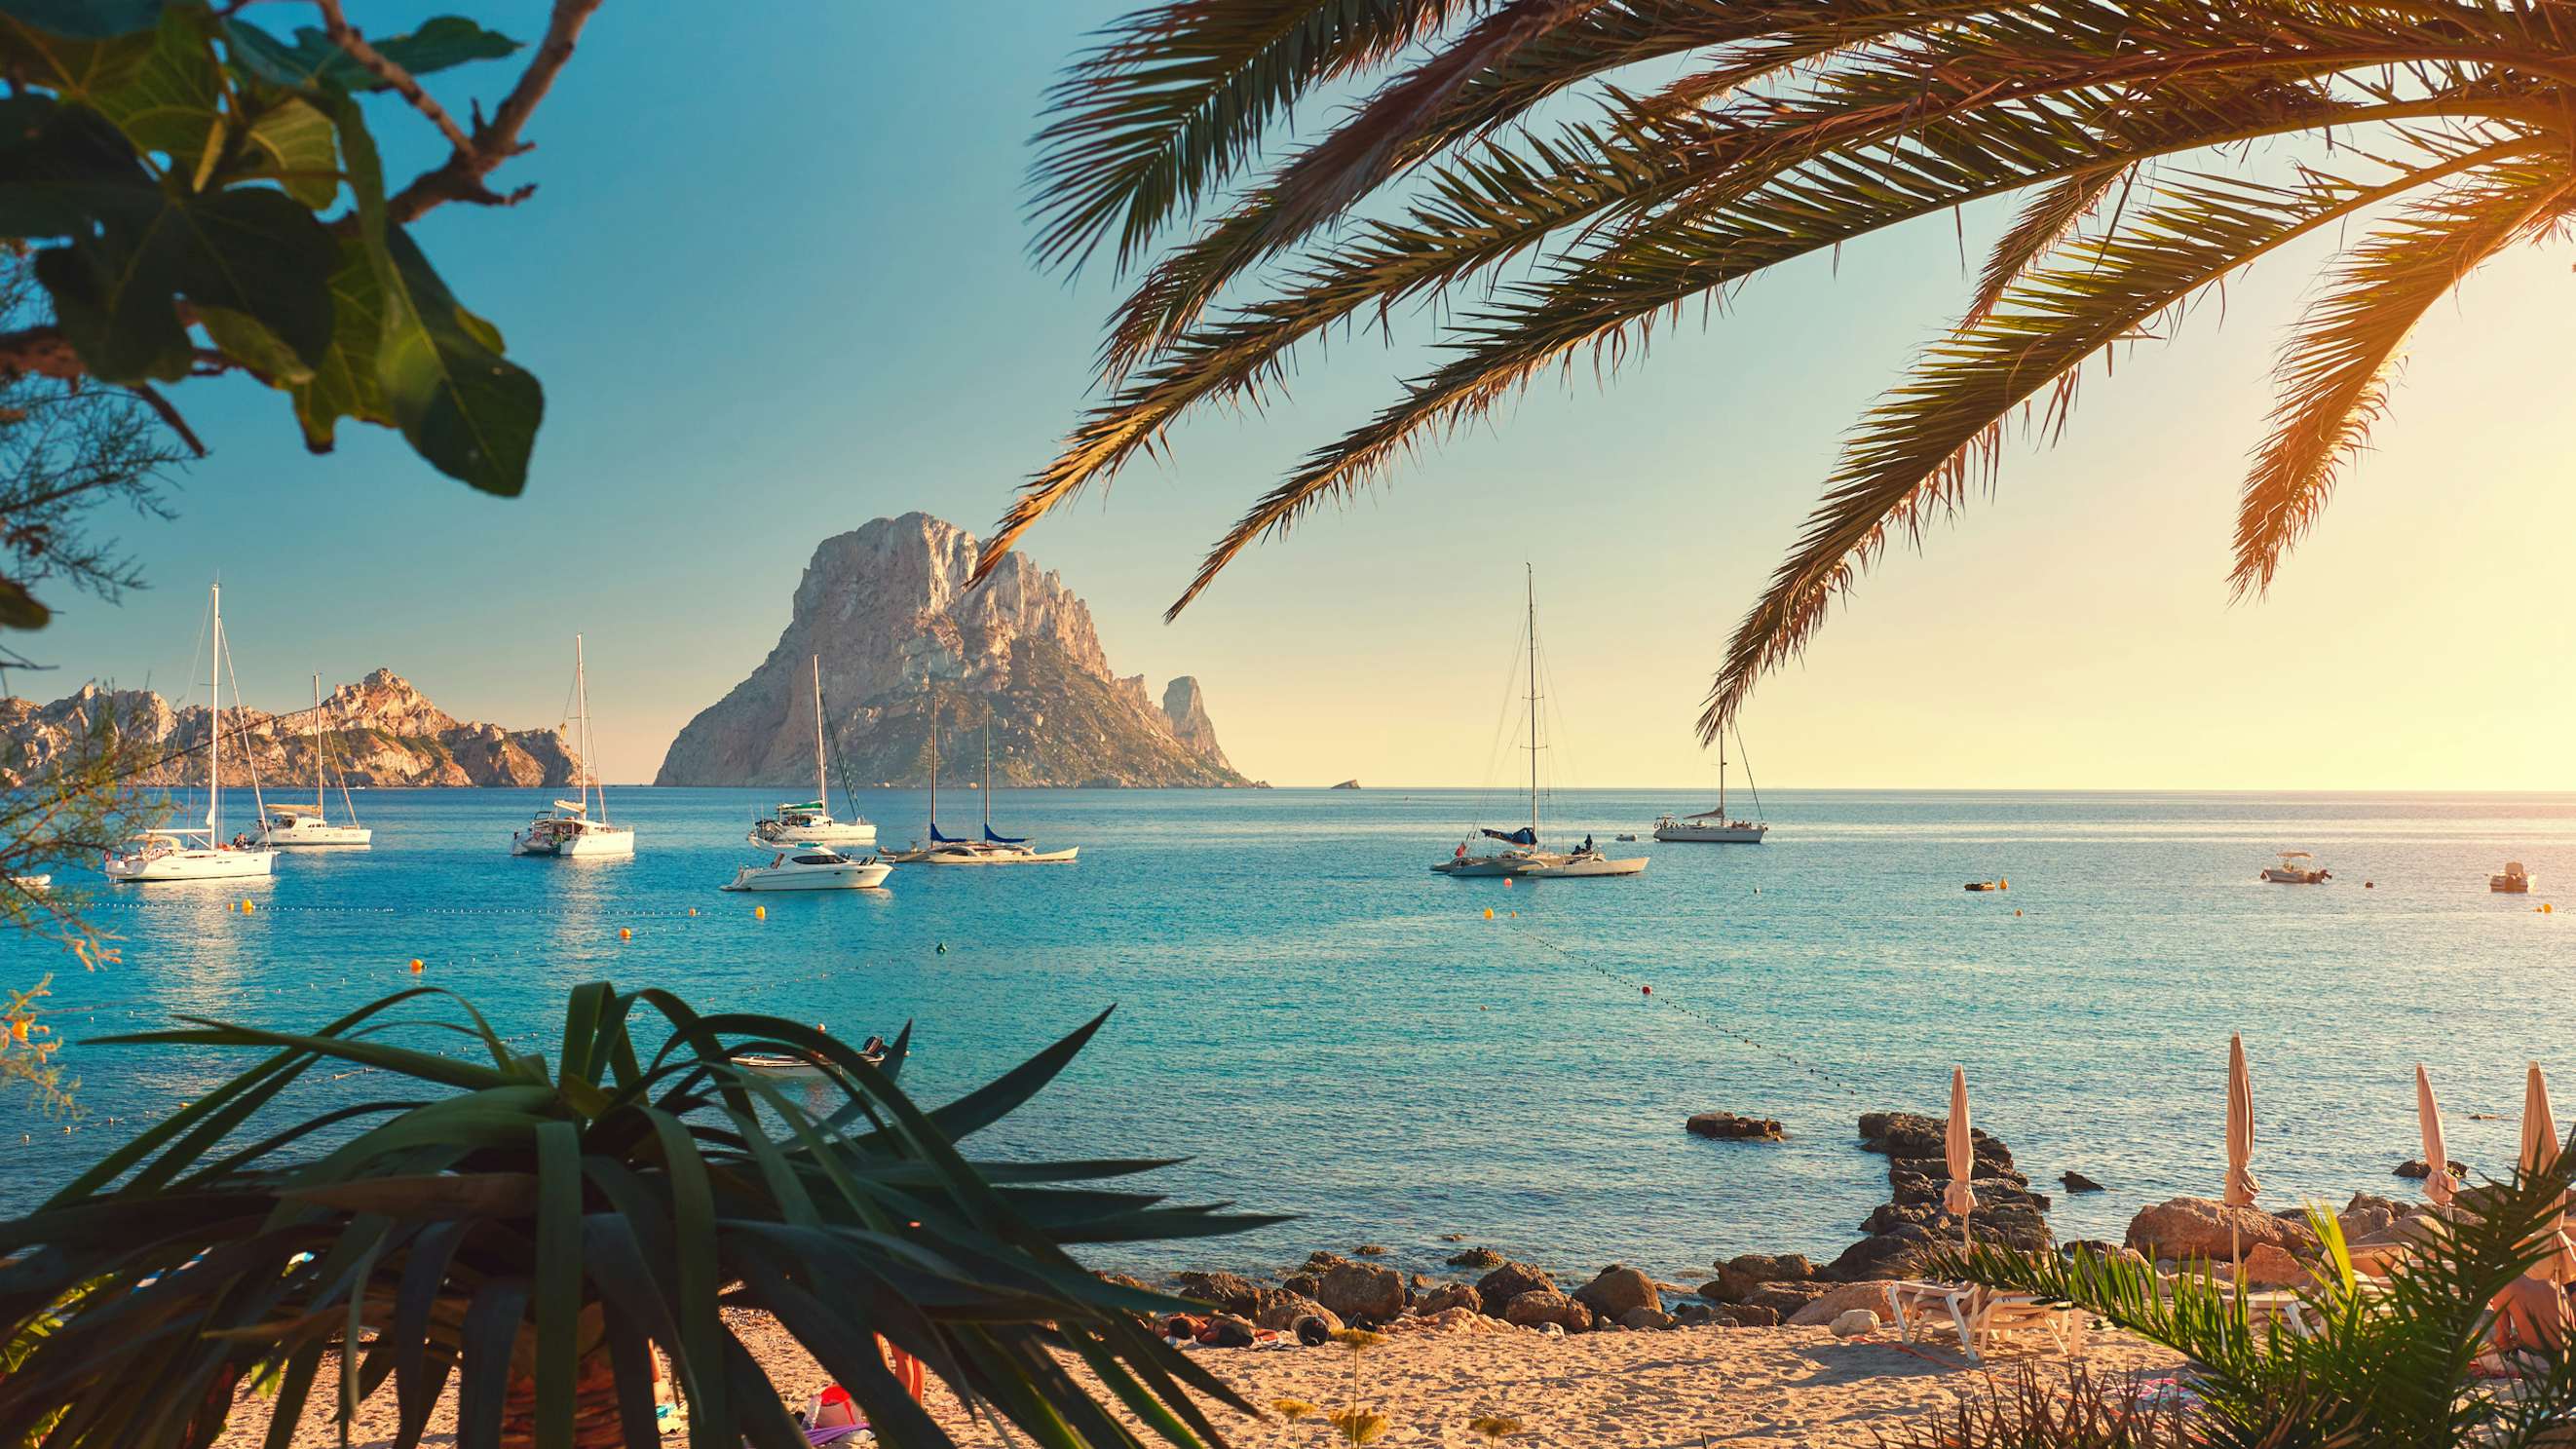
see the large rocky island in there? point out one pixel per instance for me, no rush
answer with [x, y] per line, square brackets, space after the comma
[381, 730]
[905, 643]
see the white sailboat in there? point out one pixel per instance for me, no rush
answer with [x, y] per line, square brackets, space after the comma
[1714, 827]
[810, 822]
[202, 853]
[992, 849]
[568, 830]
[1522, 859]
[309, 827]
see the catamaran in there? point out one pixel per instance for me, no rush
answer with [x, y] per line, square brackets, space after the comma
[309, 827]
[1523, 859]
[810, 822]
[992, 849]
[1715, 827]
[568, 830]
[202, 853]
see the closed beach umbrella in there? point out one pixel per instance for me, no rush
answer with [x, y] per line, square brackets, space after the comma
[2540, 1154]
[2439, 1185]
[2241, 1186]
[1959, 1151]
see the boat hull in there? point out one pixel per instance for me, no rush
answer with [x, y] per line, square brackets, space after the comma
[770, 833]
[1539, 866]
[320, 837]
[856, 876]
[2277, 876]
[1002, 857]
[1585, 868]
[587, 845]
[186, 865]
[1711, 834]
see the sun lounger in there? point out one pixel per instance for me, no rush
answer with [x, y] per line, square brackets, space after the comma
[1980, 1316]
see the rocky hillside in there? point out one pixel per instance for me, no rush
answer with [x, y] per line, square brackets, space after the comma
[887, 608]
[381, 730]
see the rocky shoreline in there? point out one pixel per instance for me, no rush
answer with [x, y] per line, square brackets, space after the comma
[1479, 1289]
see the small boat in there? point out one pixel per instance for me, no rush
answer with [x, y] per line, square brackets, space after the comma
[309, 827]
[2514, 882]
[992, 849]
[569, 832]
[2296, 868]
[812, 868]
[781, 1064]
[1629, 835]
[810, 822]
[201, 853]
[1712, 827]
[1990, 885]
[1524, 859]
[34, 885]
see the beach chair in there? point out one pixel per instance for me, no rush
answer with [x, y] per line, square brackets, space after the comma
[1981, 1317]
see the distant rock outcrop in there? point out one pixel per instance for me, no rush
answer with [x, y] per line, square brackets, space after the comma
[887, 608]
[1348, 785]
[381, 730]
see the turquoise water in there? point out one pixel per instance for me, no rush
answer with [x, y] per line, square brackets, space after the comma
[1330, 1030]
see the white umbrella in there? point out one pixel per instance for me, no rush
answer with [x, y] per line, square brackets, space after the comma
[1959, 1153]
[2439, 1185]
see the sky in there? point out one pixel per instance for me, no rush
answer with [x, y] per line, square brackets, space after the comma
[775, 280]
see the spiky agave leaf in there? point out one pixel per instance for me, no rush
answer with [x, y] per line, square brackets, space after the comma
[523, 1220]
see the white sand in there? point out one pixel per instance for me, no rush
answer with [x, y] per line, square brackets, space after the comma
[1774, 1388]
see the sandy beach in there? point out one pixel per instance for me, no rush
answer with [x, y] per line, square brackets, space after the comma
[1763, 1388]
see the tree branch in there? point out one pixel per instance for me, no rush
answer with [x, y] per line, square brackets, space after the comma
[461, 176]
[43, 351]
[335, 23]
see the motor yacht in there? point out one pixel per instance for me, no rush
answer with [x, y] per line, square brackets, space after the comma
[812, 868]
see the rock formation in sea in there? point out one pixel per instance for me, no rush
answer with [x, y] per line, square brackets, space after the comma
[380, 730]
[900, 635]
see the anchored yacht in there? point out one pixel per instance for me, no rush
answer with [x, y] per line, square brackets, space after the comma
[569, 831]
[810, 822]
[201, 853]
[309, 827]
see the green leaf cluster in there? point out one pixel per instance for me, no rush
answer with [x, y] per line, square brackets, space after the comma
[202, 192]
[515, 1226]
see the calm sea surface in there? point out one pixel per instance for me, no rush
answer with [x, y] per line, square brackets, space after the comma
[1330, 1030]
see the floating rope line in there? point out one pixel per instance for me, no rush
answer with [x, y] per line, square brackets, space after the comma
[1647, 990]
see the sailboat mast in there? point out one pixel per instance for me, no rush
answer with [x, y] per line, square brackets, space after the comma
[1721, 776]
[215, 733]
[581, 701]
[934, 756]
[1530, 587]
[319, 802]
[987, 791]
[820, 797]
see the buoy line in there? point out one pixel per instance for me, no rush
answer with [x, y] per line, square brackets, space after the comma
[1648, 992]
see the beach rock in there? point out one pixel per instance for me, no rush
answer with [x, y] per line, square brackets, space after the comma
[1305, 1285]
[2078, 1182]
[1784, 1299]
[1320, 1261]
[1544, 1330]
[1871, 1295]
[2373, 1202]
[1647, 1320]
[1855, 1322]
[1453, 1237]
[2418, 1169]
[1748, 1315]
[1728, 1127]
[1124, 1281]
[1897, 1253]
[1911, 1134]
[1480, 1259]
[1617, 1290]
[2267, 1266]
[2361, 1221]
[1371, 1250]
[1738, 1276]
[1938, 1170]
[1441, 1300]
[1546, 1305]
[2199, 1227]
[1363, 1293]
[1509, 1281]
[1447, 1320]
[1919, 1189]
[1693, 1315]
[1284, 1310]
[1234, 1294]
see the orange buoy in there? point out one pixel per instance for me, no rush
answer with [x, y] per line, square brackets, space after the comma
[415, 965]
[1489, 913]
[18, 1028]
[2016, 910]
[625, 934]
[760, 913]
[693, 910]
[1507, 882]
[1647, 989]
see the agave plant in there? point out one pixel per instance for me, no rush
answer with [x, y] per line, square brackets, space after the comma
[534, 1232]
[1630, 158]
[2391, 1362]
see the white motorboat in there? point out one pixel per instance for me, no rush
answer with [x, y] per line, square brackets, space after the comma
[309, 827]
[1522, 857]
[812, 868]
[569, 831]
[2297, 867]
[201, 853]
[782, 1064]
[810, 822]
[992, 849]
[2514, 882]
[34, 885]
[1714, 827]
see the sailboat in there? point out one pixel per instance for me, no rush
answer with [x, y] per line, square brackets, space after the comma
[992, 849]
[309, 827]
[1523, 859]
[568, 830]
[1714, 827]
[810, 822]
[202, 853]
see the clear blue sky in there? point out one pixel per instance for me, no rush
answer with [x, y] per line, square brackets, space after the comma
[774, 281]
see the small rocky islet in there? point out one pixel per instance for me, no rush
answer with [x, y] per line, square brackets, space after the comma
[1480, 1289]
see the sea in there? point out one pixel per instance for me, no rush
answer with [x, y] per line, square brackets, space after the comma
[1325, 1029]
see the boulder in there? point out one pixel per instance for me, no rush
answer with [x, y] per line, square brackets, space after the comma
[1617, 1291]
[2371, 1201]
[1124, 1281]
[1441, 1300]
[1509, 1281]
[2361, 1221]
[1286, 1308]
[1693, 1315]
[1855, 1322]
[1320, 1261]
[2269, 1267]
[1898, 1253]
[1304, 1284]
[1545, 1305]
[2199, 1227]
[1480, 1259]
[1234, 1294]
[2078, 1182]
[1871, 1296]
[1938, 1169]
[1738, 1276]
[2418, 1169]
[1728, 1127]
[1911, 1134]
[1362, 1293]
[1647, 1320]
[1748, 1315]
[1371, 1250]
[1783, 1299]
